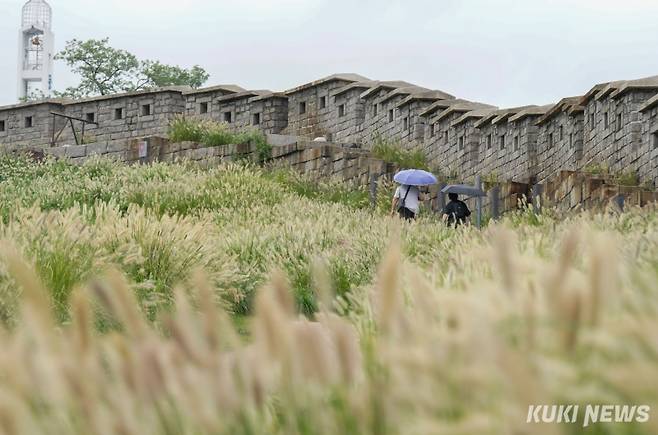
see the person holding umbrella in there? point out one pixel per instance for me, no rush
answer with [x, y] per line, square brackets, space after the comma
[406, 200]
[456, 212]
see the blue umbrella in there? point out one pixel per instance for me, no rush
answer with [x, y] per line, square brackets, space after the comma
[415, 177]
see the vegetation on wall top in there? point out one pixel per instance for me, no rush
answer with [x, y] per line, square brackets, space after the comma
[392, 152]
[621, 178]
[211, 133]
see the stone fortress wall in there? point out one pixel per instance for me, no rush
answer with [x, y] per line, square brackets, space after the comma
[613, 125]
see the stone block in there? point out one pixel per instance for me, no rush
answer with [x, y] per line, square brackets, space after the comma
[76, 151]
[96, 149]
[116, 146]
[57, 152]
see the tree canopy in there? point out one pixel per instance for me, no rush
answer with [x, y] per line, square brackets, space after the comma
[156, 74]
[105, 70]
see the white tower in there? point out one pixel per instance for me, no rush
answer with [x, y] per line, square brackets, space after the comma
[36, 50]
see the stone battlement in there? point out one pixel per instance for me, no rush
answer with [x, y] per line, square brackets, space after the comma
[613, 125]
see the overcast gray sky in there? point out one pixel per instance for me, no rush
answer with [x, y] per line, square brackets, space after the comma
[503, 52]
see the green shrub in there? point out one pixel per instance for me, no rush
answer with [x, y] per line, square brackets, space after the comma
[627, 178]
[393, 153]
[623, 178]
[215, 134]
[490, 180]
[256, 137]
[600, 169]
[183, 130]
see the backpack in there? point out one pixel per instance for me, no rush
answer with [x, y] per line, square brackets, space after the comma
[461, 211]
[457, 212]
[404, 201]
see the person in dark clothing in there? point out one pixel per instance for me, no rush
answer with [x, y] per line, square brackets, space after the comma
[455, 212]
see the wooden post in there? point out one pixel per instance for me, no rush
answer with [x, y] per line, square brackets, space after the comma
[373, 189]
[494, 200]
[478, 201]
[440, 199]
[620, 201]
[75, 135]
[52, 141]
[537, 191]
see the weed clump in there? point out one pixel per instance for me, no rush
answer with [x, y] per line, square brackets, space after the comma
[216, 134]
[393, 153]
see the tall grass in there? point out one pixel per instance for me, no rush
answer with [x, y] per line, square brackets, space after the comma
[120, 286]
[393, 153]
[158, 223]
[214, 134]
[460, 347]
[332, 191]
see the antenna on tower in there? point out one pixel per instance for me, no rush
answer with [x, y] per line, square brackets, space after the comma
[36, 51]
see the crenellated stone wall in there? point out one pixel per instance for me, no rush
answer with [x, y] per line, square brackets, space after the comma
[411, 129]
[272, 110]
[451, 136]
[649, 150]
[494, 132]
[560, 141]
[350, 113]
[203, 103]
[28, 124]
[124, 117]
[520, 161]
[466, 154]
[435, 133]
[390, 122]
[379, 121]
[451, 155]
[613, 125]
[312, 110]
[234, 110]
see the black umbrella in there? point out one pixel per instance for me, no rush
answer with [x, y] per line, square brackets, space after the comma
[463, 189]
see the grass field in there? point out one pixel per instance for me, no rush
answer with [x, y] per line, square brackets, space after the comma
[168, 299]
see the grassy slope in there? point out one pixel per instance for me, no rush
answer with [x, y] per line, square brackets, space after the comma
[158, 223]
[457, 332]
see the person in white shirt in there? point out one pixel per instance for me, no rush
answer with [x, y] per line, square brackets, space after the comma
[406, 202]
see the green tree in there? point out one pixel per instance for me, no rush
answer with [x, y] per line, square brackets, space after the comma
[105, 70]
[156, 74]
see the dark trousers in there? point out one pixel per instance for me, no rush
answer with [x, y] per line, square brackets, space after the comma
[406, 214]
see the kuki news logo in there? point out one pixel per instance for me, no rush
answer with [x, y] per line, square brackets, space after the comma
[588, 415]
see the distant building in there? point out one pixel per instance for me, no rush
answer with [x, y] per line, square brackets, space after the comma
[36, 50]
